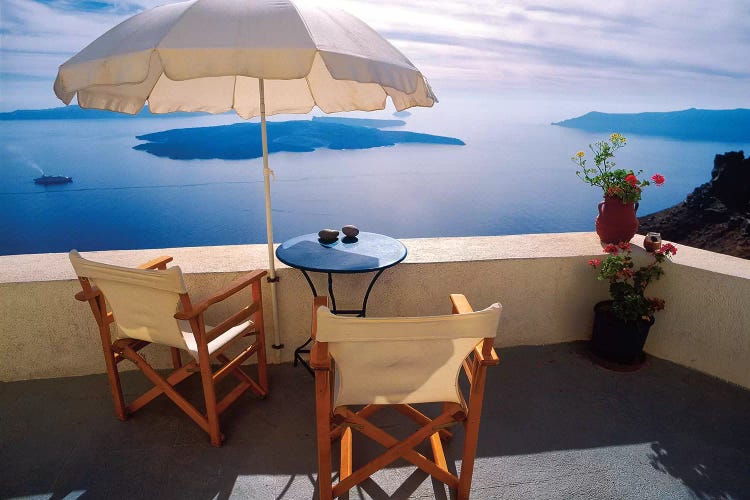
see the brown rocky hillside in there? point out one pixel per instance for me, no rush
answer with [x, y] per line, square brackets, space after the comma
[716, 216]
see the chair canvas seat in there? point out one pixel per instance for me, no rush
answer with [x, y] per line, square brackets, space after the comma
[216, 344]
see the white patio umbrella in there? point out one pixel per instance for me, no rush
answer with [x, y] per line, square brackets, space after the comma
[257, 57]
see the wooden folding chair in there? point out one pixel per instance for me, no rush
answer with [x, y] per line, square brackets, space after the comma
[398, 362]
[151, 304]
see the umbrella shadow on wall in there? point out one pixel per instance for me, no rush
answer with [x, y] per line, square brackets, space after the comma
[242, 141]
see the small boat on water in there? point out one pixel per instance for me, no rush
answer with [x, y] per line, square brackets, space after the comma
[46, 180]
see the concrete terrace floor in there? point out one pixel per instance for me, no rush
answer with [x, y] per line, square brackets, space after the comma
[555, 425]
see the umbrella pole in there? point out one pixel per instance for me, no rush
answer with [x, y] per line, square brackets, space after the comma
[272, 278]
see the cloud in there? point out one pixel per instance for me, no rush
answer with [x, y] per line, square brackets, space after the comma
[546, 46]
[33, 29]
[588, 38]
[580, 47]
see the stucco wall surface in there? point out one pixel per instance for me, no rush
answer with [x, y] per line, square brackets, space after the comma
[546, 288]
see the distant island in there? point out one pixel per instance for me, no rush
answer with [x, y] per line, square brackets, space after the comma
[720, 125]
[360, 122]
[77, 113]
[243, 140]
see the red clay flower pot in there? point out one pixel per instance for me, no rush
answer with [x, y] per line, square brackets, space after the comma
[616, 221]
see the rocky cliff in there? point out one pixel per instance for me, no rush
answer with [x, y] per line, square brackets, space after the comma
[716, 216]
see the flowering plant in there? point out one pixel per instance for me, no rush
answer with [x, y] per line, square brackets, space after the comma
[627, 285]
[618, 183]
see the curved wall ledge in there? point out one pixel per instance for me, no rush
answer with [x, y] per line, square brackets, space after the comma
[542, 280]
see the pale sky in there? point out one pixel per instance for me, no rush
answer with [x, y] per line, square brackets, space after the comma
[612, 55]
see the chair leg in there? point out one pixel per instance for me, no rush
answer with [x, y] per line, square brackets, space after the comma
[99, 309]
[115, 386]
[345, 461]
[113, 376]
[471, 438]
[323, 414]
[176, 360]
[209, 395]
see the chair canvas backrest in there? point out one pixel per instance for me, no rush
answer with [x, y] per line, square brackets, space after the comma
[402, 360]
[142, 301]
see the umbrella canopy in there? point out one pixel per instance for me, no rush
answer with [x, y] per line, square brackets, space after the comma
[256, 57]
[208, 55]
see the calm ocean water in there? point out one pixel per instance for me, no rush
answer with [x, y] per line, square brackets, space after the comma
[513, 176]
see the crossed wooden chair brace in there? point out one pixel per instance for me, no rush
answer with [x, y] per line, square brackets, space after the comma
[397, 362]
[150, 304]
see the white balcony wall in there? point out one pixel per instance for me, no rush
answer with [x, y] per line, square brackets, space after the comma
[546, 288]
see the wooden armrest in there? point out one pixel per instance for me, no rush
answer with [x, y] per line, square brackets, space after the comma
[157, 263]
[318, 302]
[460, 304]
[319, 358]
[229, 290]
[83, 296]
[489, 356]
[484, 351]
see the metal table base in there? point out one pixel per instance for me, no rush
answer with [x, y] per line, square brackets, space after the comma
[360, 313]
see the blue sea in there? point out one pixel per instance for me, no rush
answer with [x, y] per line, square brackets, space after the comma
[513, 175]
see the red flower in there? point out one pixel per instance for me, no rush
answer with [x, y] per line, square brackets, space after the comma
[631, 179]
[610, 248]
[668, 248]
[594, 262]
[658, 179]
[625, 273]
[624, 245]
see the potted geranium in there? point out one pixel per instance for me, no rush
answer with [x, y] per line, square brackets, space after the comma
[622, 189]
[621, 324]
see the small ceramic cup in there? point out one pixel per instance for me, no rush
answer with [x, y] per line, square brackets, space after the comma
[652, 242]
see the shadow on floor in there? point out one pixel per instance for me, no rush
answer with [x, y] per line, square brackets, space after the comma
[555, 425]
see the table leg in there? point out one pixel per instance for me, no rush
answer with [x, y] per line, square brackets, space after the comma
[298, 356]
[309, 282]
[367, 294]
[361, 313]
[298, 352]
[330, 293]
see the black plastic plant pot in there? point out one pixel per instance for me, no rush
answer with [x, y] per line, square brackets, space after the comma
[617, 340]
